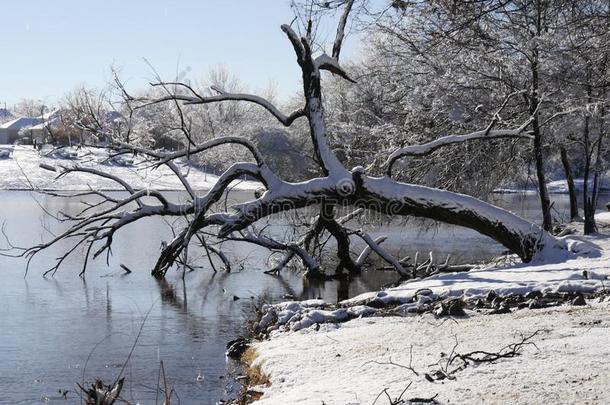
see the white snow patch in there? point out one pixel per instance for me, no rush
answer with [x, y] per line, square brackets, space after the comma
[351, 363]
[517, 278]
[294, 315]
[22, 171]
[602, 218]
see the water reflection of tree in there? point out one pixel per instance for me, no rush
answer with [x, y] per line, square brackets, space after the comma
[346, 287]
[170, 297]
[212, 317]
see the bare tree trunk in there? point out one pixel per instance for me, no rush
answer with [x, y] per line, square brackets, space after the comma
[592, 226]
[545, 202]
[343, 246]
[395, 198]
[589, 226]
[600, 142]
[516, 234]
[570, 180]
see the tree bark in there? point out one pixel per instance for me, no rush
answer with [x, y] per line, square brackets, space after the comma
[388, 196]
[570, 180]
[516, 234]
[592, 226]
[545, 202]
[589, 208]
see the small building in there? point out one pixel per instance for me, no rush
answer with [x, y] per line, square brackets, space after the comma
[41, 133]
[9, 131]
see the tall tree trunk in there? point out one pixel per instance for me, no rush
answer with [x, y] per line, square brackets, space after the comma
[570, 180]
[598, 163]
[602, 135]
[590, 225]
[545, 201]
[589, 207]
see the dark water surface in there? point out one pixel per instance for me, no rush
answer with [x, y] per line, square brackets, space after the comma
[51, 328]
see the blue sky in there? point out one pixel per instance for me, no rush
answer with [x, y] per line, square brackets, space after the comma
[50, 47]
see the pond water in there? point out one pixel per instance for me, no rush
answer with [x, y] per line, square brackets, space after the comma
[60, 330]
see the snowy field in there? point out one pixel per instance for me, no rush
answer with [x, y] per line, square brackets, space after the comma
[22, 171]
[313, 360]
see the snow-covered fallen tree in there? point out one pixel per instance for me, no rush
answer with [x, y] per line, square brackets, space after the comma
[337, 186]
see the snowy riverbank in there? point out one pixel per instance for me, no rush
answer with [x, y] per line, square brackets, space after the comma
[352, 363]
[315, 355]
[22, 171]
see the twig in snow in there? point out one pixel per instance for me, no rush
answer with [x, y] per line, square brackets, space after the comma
[391, 363]
[396, 401]
[476, 357]
[417, 400]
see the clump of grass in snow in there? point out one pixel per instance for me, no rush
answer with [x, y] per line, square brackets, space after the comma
[254, 373]
[255, 377]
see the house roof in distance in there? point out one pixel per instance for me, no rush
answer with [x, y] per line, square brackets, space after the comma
[23, 122]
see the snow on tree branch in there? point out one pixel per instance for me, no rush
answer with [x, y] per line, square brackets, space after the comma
[429, 147]
[196, 98]
[337, 187]
[341, 30]
[325, 62]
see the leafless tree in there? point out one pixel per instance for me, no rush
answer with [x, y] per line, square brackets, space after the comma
[336, 187]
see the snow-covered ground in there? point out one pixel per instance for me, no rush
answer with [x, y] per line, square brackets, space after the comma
[22, 171]
[350, 363]
[582, 274]
[313, 360]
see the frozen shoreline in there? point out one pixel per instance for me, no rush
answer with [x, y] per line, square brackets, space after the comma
[317, 356]
[22, 172]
